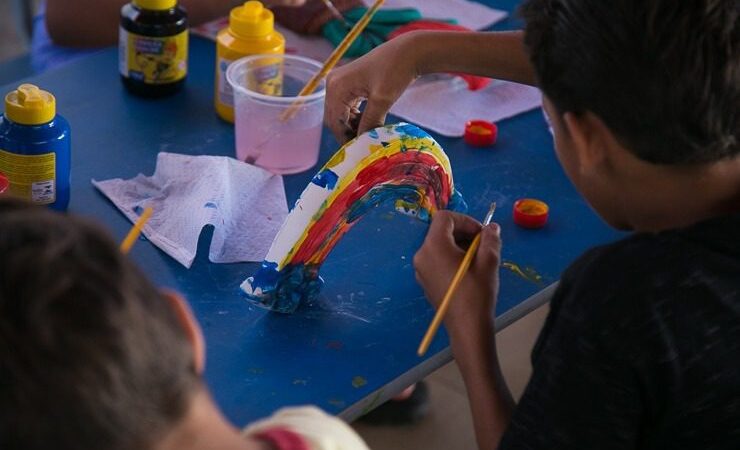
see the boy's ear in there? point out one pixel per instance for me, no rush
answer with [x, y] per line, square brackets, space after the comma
[190, 325]
[590, 138]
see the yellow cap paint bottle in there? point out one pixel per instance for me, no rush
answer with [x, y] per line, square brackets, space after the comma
[250, 32]
[35, 151]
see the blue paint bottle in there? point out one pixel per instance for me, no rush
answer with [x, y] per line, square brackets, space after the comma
[35, 148]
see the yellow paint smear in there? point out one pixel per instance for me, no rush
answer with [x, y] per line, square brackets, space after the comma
[528, 273]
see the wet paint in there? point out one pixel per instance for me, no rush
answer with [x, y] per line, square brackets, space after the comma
[358, 382]
[400, 163]
[326, 179]
[526, 273]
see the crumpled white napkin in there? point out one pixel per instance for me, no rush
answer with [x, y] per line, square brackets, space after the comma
[245, 204]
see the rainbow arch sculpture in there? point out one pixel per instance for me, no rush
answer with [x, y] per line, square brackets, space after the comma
[400, 162]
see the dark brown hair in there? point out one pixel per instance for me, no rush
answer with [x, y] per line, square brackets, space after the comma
[663, 75]
[91, 355]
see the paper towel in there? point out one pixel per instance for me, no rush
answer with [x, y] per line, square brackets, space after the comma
[444, 104]
[245, 204]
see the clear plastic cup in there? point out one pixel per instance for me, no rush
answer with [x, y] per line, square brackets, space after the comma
[275, 128]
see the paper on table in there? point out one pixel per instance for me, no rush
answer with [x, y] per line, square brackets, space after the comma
[245, 204]
[469, 14]
[444, 105]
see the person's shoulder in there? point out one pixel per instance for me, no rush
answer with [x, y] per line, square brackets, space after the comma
[624, 279]
[625, 265]
[659, 262]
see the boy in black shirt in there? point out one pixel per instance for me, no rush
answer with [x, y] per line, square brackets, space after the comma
[642, 345]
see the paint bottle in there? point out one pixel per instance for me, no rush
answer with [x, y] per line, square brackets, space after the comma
[251, 31]
[35, 148]
[153, 47]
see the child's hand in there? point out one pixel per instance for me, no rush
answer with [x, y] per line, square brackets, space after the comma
[439, 258]
[380, 76]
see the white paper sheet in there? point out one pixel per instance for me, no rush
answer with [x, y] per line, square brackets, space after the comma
[444, 105]
[245, 204]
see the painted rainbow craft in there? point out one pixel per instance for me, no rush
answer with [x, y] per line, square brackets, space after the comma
[397, 162]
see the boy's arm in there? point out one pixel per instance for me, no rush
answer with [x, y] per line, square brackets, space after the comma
[94, 23]
[583, 392]
[382, 75]
[491, 403]
[469, 321]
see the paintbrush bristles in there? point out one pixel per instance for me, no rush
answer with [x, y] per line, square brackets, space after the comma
[456, 280]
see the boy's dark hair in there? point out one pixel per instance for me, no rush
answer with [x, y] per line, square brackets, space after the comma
[663, 75]
[91, 355]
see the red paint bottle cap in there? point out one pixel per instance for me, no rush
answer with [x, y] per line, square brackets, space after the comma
[480, 133]
[530, 213]
[4, 183]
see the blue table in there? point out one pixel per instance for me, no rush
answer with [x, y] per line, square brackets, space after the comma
[355, 346]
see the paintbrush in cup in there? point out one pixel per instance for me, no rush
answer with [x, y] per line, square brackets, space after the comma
[456, 280]
[329, 64]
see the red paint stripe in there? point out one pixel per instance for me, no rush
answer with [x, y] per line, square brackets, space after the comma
[411, 167]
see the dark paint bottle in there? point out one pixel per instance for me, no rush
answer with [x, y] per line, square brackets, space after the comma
[153, 47]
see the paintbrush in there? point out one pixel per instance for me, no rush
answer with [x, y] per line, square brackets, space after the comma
[456, 280]
[311, 85]
[132, 235]
[336, 55]
[335, 12]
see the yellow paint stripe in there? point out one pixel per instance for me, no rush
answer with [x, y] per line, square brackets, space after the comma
[425, 145]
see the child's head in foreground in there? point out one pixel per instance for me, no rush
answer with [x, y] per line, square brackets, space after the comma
[91, 354]
[640, 93]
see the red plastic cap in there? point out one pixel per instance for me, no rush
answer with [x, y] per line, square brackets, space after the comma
[4, 183]
[480, 133]
[530, 213]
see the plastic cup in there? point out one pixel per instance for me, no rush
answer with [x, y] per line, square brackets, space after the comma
[275, 128]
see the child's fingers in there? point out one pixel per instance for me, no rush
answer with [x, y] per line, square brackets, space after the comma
[374, 114]
[449, 227]
[489, 251]
[339, 105]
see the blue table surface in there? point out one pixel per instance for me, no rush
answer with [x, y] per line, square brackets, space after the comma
[356, 345]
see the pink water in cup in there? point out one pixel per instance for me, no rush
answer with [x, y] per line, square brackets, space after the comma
[275, 128]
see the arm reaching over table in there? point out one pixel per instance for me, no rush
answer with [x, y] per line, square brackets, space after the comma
[94, 23]
[381, 76]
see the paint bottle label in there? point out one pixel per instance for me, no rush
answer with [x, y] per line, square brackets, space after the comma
[250, 32]
[267, 79]
[32, 177]
[153, 60]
